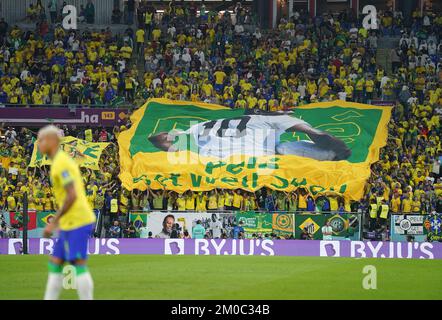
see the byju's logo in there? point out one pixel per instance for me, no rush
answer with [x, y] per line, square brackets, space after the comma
[174, 246]
[330, 249]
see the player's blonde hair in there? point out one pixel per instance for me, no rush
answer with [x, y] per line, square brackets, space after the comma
[50, 130]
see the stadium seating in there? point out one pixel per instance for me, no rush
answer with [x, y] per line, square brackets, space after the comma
[224, 58]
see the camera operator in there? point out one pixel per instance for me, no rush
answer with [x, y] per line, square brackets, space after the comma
[176, 231]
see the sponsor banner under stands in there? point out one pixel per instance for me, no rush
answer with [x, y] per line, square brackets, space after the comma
[281, 224]
[312, 248]
[40, 116]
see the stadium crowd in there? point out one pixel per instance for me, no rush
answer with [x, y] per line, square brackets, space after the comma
[225, 59]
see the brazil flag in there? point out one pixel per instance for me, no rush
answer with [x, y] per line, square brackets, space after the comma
[138, 219]
[326, 146]
[313, 223]
[44, 218]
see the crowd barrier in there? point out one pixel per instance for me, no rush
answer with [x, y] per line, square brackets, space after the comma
[350, 226]
[277, 223]
[295, 248]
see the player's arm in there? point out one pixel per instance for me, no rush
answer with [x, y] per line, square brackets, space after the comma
[323, 139]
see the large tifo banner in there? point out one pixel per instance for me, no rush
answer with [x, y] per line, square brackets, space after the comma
[86, 154]
[323, 146]
[312, 248]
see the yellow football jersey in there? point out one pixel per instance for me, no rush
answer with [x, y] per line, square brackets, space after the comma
[64, 171]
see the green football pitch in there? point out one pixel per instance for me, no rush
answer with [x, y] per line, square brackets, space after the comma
[231, 277]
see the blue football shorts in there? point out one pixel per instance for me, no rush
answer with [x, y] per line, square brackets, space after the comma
[72, 245]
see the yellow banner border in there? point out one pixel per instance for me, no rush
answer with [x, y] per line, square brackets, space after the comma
[124, 139]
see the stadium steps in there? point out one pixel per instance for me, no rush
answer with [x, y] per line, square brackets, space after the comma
[385, 44]
[139, 63]
[383, 59]
[226, 5]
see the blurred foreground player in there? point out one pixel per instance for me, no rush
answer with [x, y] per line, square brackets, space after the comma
[74, 218]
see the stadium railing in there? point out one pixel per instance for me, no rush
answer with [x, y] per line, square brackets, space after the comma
[68, 105]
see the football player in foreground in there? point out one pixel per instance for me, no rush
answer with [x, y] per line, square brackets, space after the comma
[74, 219]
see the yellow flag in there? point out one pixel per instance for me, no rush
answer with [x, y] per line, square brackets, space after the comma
[86, 154]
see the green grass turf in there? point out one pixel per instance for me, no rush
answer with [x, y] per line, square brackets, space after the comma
[231, 277]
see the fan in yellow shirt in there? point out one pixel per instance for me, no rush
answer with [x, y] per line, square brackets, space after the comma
[140, 35]
[406, 204]
[237, 200]
[190, 201]
[219, 77]
[416, 205]
[302, 202]
[181, 203]
[213, 201]
[201, 202]
[228, 200]
[12, 203]
[156, 33]
[395, 204]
